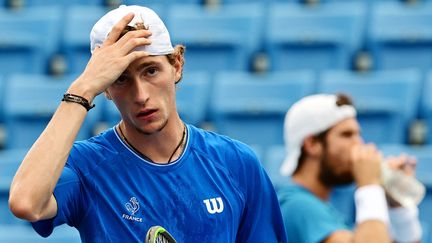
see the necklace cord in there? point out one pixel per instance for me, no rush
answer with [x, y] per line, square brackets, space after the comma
[146, 157]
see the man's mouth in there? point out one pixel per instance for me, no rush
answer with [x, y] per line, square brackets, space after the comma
[145, 113]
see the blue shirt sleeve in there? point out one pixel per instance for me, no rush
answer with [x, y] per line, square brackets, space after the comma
[308, 219]
[262, 218]
[67, 193]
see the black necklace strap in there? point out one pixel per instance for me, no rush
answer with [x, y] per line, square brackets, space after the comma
[179, 144]
[146, 157]
[131, 146]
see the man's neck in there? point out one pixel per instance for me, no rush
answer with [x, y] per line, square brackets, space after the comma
[158, 147]
[311, 182]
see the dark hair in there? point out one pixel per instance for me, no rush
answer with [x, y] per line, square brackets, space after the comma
[341, 99]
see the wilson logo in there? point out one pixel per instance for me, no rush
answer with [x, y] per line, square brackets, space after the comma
[214, 205]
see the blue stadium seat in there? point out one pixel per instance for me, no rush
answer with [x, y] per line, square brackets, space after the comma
[259, 151]
[30, 101]
[223, 38]
[272, 161]
[400, 35]
[193, 97]
[2, 118]
[25, 234]
[242, 1]
[251, 108]
[426, 106]
[161, 2]
[2, 93]
[79, 21]
[9, 163]
[29, 39]
[320, 37]
[61, 3]
[426, 227]
[386, 101]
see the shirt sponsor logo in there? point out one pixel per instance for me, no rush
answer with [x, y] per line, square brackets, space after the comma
[132, 207]
[214, 205]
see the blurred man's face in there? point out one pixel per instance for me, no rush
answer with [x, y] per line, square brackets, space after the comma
[336, 165]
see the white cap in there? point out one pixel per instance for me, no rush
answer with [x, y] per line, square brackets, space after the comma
[161, 42]
[310, 116]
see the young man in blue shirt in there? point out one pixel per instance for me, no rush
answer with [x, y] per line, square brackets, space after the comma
[151, 168]
[325, 149]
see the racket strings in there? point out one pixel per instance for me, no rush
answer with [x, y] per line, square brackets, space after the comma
[158, 234]
[161, 239]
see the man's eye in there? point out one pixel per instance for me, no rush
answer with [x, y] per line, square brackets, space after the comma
[151, 71]
[121, 80]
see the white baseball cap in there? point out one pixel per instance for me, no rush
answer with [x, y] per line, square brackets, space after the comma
[310, 116]
[161, 42]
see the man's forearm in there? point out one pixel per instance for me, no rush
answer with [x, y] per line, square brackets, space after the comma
[35, 180]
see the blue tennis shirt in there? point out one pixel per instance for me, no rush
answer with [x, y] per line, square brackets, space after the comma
[308, 219]
[216, 191]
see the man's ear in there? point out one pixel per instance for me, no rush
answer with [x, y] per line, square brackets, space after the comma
[312, 146]
[179, 68]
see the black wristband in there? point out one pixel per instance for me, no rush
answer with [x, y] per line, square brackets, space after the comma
[77, 99]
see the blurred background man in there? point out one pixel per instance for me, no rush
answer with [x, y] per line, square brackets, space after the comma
[324, 150]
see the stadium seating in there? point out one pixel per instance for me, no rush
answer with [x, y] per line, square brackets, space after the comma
[216, 39]
[400, 35]
[25, 234]
[161, 2]
[2, 93]
[79, 21]
[193, 97]
[319, 37]
[251, 108]
[2, 118]
[30, 101]
[9, 163]
[272, 161]
[386, 101]
[29, 39]
[60, 3]
[426, 106]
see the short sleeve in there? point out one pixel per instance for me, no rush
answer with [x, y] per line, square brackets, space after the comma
[307, 218]
[67, 193]
[262, 218]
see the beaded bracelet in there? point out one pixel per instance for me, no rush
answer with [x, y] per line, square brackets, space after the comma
[78, 99]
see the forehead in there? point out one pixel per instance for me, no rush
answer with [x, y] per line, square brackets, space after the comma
[147, 61]
[349, 124]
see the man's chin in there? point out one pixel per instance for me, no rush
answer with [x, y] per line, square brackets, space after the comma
[333, 181]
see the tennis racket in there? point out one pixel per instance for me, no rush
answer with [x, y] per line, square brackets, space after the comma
[157, 234]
